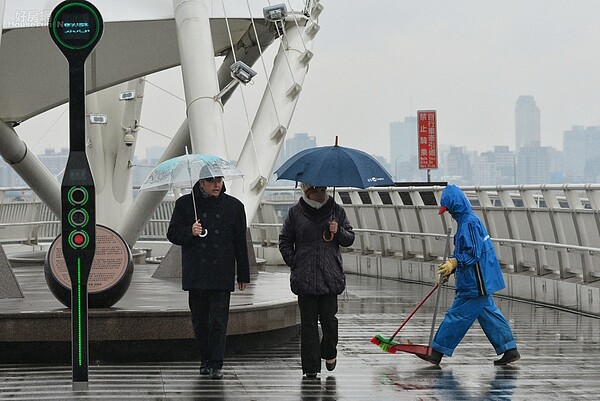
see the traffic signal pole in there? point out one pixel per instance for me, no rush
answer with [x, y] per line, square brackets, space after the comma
[76, 27]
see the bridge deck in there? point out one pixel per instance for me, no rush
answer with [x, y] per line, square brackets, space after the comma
[559, 361]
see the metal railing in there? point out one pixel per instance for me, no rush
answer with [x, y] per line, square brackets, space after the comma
[536, 229]
[545, 230]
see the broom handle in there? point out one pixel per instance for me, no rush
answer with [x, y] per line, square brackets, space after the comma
[414, 311]
[437, 298]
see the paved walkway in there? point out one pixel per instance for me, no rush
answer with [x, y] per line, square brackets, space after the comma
[560, 352]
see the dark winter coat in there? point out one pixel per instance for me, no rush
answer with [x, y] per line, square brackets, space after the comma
[316, 265]
[478, 271]
[209, 263]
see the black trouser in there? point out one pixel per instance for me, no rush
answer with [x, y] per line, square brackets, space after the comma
[210, 314]
[315, 308]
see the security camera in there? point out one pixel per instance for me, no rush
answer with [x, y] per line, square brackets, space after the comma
[277, 12]
[128, 139]
[241, 72]
[127, 95]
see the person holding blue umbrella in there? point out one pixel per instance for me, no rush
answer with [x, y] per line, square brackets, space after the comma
[309, 243]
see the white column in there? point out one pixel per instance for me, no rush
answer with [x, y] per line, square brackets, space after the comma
[14, 151]
[1, 18]
[259, 154]
[199, 72]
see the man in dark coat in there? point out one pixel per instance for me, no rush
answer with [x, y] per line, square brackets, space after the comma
[309, 242]
[211, 248]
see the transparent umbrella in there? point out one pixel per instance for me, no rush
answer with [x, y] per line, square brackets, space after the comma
[182, 171]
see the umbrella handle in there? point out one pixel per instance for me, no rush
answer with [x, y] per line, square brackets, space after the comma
[327, 233]
[205, 231]
[187, 157]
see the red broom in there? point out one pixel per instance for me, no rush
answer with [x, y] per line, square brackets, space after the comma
[386, 344]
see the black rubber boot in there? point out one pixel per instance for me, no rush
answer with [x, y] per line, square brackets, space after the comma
[510, 356]
[435, 357]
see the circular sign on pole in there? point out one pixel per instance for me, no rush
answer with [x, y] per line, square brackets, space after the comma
[76, 26]
[110, 275]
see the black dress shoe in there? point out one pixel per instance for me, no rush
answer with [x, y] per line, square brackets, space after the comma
[311, 375]
[331, 366]
[204, 370]
[215, 373]
[512, 355]
[435, 357]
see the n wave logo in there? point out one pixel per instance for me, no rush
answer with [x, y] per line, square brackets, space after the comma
[375, 179]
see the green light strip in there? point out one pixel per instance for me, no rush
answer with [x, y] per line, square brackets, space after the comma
[79, 306]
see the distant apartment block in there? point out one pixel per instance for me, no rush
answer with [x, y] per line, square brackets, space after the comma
[527, 123]
[403, 150]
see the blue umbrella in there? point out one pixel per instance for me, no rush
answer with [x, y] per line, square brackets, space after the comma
[335, 166]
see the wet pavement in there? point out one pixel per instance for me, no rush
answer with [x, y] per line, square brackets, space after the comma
[559, 349]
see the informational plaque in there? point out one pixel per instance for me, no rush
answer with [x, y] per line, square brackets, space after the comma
[110, 274]
[108, 268]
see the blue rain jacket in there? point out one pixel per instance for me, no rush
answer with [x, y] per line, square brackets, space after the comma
[478, 271]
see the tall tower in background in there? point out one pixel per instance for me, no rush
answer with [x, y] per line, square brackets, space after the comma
[403, 149]
[527, 123]
[293, 145]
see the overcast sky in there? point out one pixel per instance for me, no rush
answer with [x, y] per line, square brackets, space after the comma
[470, 60]
[379, 61]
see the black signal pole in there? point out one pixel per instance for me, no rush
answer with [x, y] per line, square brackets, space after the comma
[76, 27]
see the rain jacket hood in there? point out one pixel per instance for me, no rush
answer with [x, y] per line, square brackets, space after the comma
[456, 202]
[478, 272]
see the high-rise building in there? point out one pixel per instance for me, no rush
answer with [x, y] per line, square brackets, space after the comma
[574, 143]
[291, 146]
[539, 165]
[527, 123]
[298, 143]
[459, 166]
[581, 147]
[403, 149]
[497, 167]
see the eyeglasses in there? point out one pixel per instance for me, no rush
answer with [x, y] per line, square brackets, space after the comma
[218, 180]
[318, 188]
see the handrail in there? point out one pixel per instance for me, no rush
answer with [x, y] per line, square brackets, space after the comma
[437, 236]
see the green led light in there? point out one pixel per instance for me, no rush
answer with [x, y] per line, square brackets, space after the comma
[86, 195]
[86, 218]
[79, 308]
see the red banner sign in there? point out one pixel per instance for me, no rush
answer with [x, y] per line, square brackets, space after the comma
[428, 157]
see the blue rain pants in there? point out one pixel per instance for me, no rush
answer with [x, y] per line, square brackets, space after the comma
[461, 316]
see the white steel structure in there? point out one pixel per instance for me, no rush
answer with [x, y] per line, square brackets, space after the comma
[142, 37]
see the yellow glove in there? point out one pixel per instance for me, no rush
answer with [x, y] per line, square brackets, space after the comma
[447, 268]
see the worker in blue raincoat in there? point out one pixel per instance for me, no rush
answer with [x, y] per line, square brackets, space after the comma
[478, 276]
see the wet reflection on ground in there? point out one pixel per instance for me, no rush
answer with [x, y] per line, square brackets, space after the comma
[559, 351]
